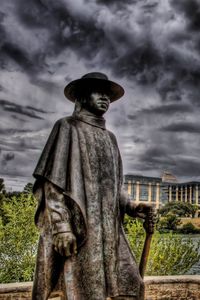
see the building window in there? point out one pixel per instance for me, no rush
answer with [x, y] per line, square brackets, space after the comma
[153, 193]
[199, 194]
[173, 189]
[164, 194]
[133, 190]
[144, 192]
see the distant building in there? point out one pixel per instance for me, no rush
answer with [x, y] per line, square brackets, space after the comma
[160, 190]
[169, 177]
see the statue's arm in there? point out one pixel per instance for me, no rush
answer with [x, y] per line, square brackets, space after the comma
[135, 210]
[64, 240]
[138, 210]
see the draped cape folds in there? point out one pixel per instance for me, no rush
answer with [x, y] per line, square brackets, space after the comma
[82, 159]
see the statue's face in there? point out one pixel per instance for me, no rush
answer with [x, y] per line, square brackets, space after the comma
[98, 103]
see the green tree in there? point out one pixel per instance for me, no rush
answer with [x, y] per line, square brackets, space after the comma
[169, 222]
[170, 254]
[28, 188]
[180, 209]
[2, 186]
[18, 239]
[2, 195]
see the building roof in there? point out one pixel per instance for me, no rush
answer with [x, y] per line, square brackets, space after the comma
[169, 177]
[168, 180]
[141, 177]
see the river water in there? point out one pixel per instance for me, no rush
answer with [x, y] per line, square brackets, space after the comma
[195, 269]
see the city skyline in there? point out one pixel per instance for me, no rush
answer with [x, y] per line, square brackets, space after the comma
[150, 47]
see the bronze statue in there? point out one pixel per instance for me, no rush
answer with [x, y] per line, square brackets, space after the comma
[83, 251]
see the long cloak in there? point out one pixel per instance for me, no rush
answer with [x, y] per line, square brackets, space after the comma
[82, 159]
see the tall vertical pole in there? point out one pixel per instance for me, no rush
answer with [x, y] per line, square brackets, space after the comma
[137, 191]
[170, 193]
[181, 194]
[185, 193]
[177, 193]
[157, 195]
[149, 193]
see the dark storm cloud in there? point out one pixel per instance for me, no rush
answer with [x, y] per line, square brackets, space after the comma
[169, 109]
[141, 63]
[119, 5]
[138, 140]
[113, 1]
[161, 158]
[88, 31]
[46, 85]
[15, 53]
[169, 89]
[182, 127]
[157, 157]
[152, 46]
[84, 35]
[23, 110]
[1, 88]
[165, 110]
[190, 167]
[154, 152]
[19, 145]
[26, 58]
[11, 131]
[63, 29]
[9, 156]
[191, 10]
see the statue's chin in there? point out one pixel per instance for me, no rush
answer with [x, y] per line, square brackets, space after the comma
[99, 111]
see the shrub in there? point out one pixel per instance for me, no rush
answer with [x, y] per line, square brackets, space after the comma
[169, 222]
[189, 228]
[170, 254]
[18, 239]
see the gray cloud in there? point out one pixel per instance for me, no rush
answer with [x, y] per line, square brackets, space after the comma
[191, 11]
[89, 33]
[9, 156]
[23, 110]
[167, 109]
[11, 131]
[149, 46]
[182, 127]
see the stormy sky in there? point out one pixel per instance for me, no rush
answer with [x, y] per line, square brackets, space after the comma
[150, 47]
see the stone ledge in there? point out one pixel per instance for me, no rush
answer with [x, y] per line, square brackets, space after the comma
[182, 287]
[172, 279]
[16, 287]
[20, 290]
[185, 287]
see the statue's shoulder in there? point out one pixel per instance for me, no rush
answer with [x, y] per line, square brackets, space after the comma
[66, 122]
[112, 136]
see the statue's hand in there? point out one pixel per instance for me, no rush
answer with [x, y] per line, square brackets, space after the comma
[65, 243]
[150, 221]
[147, 212]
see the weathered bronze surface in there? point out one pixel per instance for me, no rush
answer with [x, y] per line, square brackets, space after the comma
[83, 251]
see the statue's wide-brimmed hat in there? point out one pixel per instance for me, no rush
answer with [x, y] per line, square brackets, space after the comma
[91, 81]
